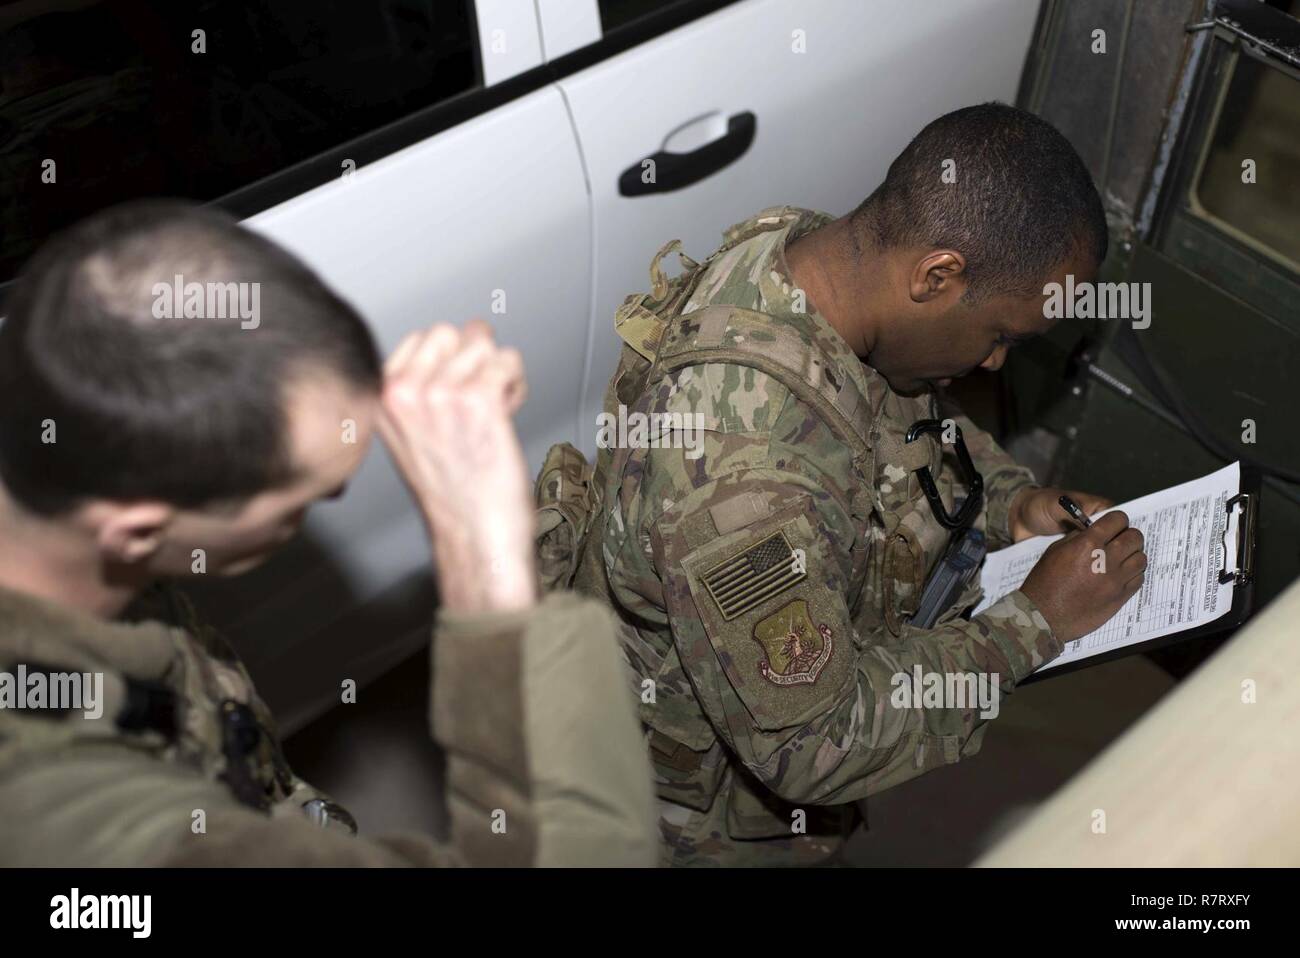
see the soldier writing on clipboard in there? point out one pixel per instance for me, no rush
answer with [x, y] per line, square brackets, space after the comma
[769, 588]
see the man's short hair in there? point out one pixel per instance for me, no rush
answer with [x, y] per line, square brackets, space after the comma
[1018, 200]
[97, 353]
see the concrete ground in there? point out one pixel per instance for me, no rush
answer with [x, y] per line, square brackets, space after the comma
[377, 759]
[1046, 732]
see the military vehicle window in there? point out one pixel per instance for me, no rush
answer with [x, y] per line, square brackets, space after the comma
[1250, 181]
[105, 100]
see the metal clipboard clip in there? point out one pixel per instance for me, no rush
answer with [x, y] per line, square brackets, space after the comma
[1244, 574]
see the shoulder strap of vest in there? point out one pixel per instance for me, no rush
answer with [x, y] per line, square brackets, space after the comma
[639, 323]
[729, 334]
[772, 218]
[126, 708]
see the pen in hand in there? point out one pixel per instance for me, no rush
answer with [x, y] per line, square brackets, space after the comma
[1077, 514]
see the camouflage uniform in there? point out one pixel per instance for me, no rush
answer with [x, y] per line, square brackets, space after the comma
[764, 586]
[528, 707]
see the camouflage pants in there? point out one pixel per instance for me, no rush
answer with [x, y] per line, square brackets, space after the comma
[691, 838]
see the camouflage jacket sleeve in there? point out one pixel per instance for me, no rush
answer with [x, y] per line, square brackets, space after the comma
[532, 709]
[1004, 478]
[760, 616]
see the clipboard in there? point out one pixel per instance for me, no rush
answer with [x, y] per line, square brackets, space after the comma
[1246, 505]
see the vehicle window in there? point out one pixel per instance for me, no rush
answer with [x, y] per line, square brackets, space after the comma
[116, 95]
[617, 13]
[1258, 120]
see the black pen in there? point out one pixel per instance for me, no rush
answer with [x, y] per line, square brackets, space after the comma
[1072, 507]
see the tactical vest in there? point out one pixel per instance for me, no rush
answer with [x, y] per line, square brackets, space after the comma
[203, 714]
[897, 538]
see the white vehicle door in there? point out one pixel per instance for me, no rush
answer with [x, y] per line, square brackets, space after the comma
[486, 218]
[464, 224]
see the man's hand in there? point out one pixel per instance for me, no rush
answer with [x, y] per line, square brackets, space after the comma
[1036, 512]
[1084, 579]
[448, 398]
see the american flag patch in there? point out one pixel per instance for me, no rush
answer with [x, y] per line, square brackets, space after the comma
[753, 576]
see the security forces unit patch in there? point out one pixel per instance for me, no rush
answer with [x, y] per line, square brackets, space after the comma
[754, 575]
[794, 649]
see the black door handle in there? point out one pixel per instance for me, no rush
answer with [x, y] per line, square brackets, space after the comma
[675, 171]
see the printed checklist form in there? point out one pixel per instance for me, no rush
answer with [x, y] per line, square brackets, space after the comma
[1190, 537]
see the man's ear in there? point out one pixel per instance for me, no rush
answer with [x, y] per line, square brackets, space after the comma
[941, 272]
[130, 533]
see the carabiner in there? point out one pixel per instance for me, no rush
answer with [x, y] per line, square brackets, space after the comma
[973, 480]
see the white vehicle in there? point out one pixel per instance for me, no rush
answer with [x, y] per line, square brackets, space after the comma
[445, 159]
